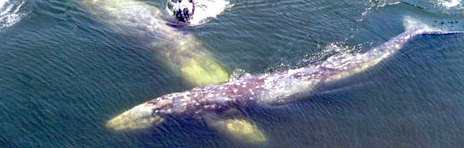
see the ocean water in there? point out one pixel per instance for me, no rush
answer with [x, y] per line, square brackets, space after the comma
[64, 73]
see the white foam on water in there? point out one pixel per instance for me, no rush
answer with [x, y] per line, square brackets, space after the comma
[450, 3]
[376, 4]
[10, 12]
[206, 10]
[2, 2]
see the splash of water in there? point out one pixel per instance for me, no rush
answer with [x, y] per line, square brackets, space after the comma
[239, 74]
[450, 3]
[10, 12]
[205, 10]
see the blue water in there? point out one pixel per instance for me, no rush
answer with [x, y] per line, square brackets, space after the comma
[64, 73]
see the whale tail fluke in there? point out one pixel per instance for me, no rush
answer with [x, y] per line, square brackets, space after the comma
[418, 27]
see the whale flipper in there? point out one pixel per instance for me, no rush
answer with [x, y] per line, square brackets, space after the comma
[235, 125]
[198, 68]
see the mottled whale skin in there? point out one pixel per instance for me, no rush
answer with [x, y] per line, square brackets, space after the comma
[273, 88]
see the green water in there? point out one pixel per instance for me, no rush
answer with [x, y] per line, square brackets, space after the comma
[64, 73]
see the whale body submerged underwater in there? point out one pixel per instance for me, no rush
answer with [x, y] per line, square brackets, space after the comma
[181, 51]
[267, 89]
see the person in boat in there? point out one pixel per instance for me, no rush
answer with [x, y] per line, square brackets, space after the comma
[183, 10]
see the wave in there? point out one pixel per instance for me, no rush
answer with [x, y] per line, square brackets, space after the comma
[447, 7]
[10, 12]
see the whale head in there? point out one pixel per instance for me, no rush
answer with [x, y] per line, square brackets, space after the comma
[183, 10]
[139, 117]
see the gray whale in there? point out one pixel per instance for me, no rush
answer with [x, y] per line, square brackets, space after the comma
[268, 89]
